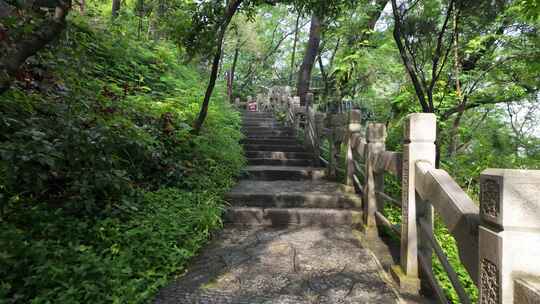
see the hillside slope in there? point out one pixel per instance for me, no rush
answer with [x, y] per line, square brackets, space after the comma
[104, 192]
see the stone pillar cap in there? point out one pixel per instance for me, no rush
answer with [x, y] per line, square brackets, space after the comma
[420, 127]
[376, 132]
[510, 198]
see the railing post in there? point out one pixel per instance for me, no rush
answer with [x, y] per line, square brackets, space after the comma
[336, 126]
[311, 137]
[331, 140]
[319, 129]
[376, 136]
[419, 144]
[291, 113]
[509, 236]
[296, 107]
[354, 126]
[237, 102]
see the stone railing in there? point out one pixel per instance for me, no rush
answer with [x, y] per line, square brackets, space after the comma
[498, 242]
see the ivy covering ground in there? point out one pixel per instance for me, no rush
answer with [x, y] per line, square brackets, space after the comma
[105, 194]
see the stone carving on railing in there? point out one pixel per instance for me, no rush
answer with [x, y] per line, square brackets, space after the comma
[489, 282]
[490, 194]
[509, 238]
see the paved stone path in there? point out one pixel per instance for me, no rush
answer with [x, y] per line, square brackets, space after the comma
[280, 265]
[291, 236]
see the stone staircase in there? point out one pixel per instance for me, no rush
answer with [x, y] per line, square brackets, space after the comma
[282, 186]
[290, 237]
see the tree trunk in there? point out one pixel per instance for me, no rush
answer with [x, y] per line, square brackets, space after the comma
[229, 13]
[454, 136]
[293, 66]
[115, 8]
[310, 54]
[233, 69]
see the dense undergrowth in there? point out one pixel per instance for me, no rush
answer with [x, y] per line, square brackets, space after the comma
[105, 193]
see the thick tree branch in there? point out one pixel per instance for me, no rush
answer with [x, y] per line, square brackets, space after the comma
[406, 60]
[438, 52]
[474, 104]
[32, 43]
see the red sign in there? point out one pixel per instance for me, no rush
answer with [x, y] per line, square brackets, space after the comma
[252, 107]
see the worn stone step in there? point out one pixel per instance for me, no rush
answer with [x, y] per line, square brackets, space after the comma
[293, 194]
[279, 217]
[271, 173]
[284, 148]
[282, 155]
[270, 141]
[279, 162]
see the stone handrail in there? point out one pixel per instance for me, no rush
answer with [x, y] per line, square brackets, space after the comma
[489, 237]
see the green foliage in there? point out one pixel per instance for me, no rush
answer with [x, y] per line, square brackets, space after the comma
[49, 256]
[105, 193]
[448, 244]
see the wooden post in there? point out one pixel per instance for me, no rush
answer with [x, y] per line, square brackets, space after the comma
[354, 127]
[419, 145]
[376, 135]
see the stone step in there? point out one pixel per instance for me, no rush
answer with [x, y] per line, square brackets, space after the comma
[281, 155]
[284, 148]
[279, 162]
[293, 194]
[272, 173]
[268, 133]
[258, 119]
[270, 141]
[269, 125]
[279, 217]
[276, 137]
[266, 129]
[257, 115]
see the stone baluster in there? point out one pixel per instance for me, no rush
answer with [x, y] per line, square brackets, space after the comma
[419, 145]
[295, 108]
[376, 136]
[354, 127]
[509, 236]
[237, 102]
